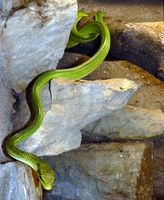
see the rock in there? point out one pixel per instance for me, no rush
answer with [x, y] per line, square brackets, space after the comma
[129, 123]
[38, 27]
[29, 45]
[19, 182]
[150, 94]
[159, 168]
[129, 11]
[104, 171]
[75, 104]
[139, 43]
[5, 6]
[6, 109]
[144, 116]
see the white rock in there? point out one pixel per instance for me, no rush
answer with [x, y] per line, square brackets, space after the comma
[18, 183]
[74, 105]
[34, 38]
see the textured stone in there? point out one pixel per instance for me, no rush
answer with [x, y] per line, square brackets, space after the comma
[129, 11]
[38, 27]
[150, 94]
[6, 110]
[145, 115]
[119, 171]
[18, 182]
[128, 123]
[144, 119]
[159, 168]
[75, 104]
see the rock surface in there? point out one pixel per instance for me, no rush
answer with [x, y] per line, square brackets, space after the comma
[120, 171]
[150, 94]
[159, 168]
[128, 11]
[145, 108]
[6, 109]
[75, 104]
[95, 171]
[129, 123]
[18, 182]
[38, 27]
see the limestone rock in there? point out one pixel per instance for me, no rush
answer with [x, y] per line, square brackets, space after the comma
[6, 109]
[127, 123]
[30, 38]
[75, 104]
[120, 171]
[150, 94]
[18, 182]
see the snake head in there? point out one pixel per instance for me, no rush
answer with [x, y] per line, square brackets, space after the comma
[46, 175]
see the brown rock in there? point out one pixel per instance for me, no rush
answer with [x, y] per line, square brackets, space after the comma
[129, 11]
[159, 168]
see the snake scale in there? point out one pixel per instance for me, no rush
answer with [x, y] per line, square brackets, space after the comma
[87, 33]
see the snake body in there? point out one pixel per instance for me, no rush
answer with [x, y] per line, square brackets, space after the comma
[87, 33]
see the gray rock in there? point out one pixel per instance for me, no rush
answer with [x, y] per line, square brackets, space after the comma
[119, 171]
[38, 27]
[6, 5]
[129, 123]
[143, 117]
[30, 34]
[6, 109]
[18, 182]
[75, 104]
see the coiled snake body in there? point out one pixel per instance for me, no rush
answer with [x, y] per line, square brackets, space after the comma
[85, 34]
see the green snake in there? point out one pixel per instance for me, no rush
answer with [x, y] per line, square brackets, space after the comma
[87, 33]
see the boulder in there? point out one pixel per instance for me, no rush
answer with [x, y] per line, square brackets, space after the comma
[119, 171]
[19, 182]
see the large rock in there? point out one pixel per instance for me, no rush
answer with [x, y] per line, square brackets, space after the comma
[141, 119]
[119, 171]
[19, 182]
[75, 104]
[30, 37]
